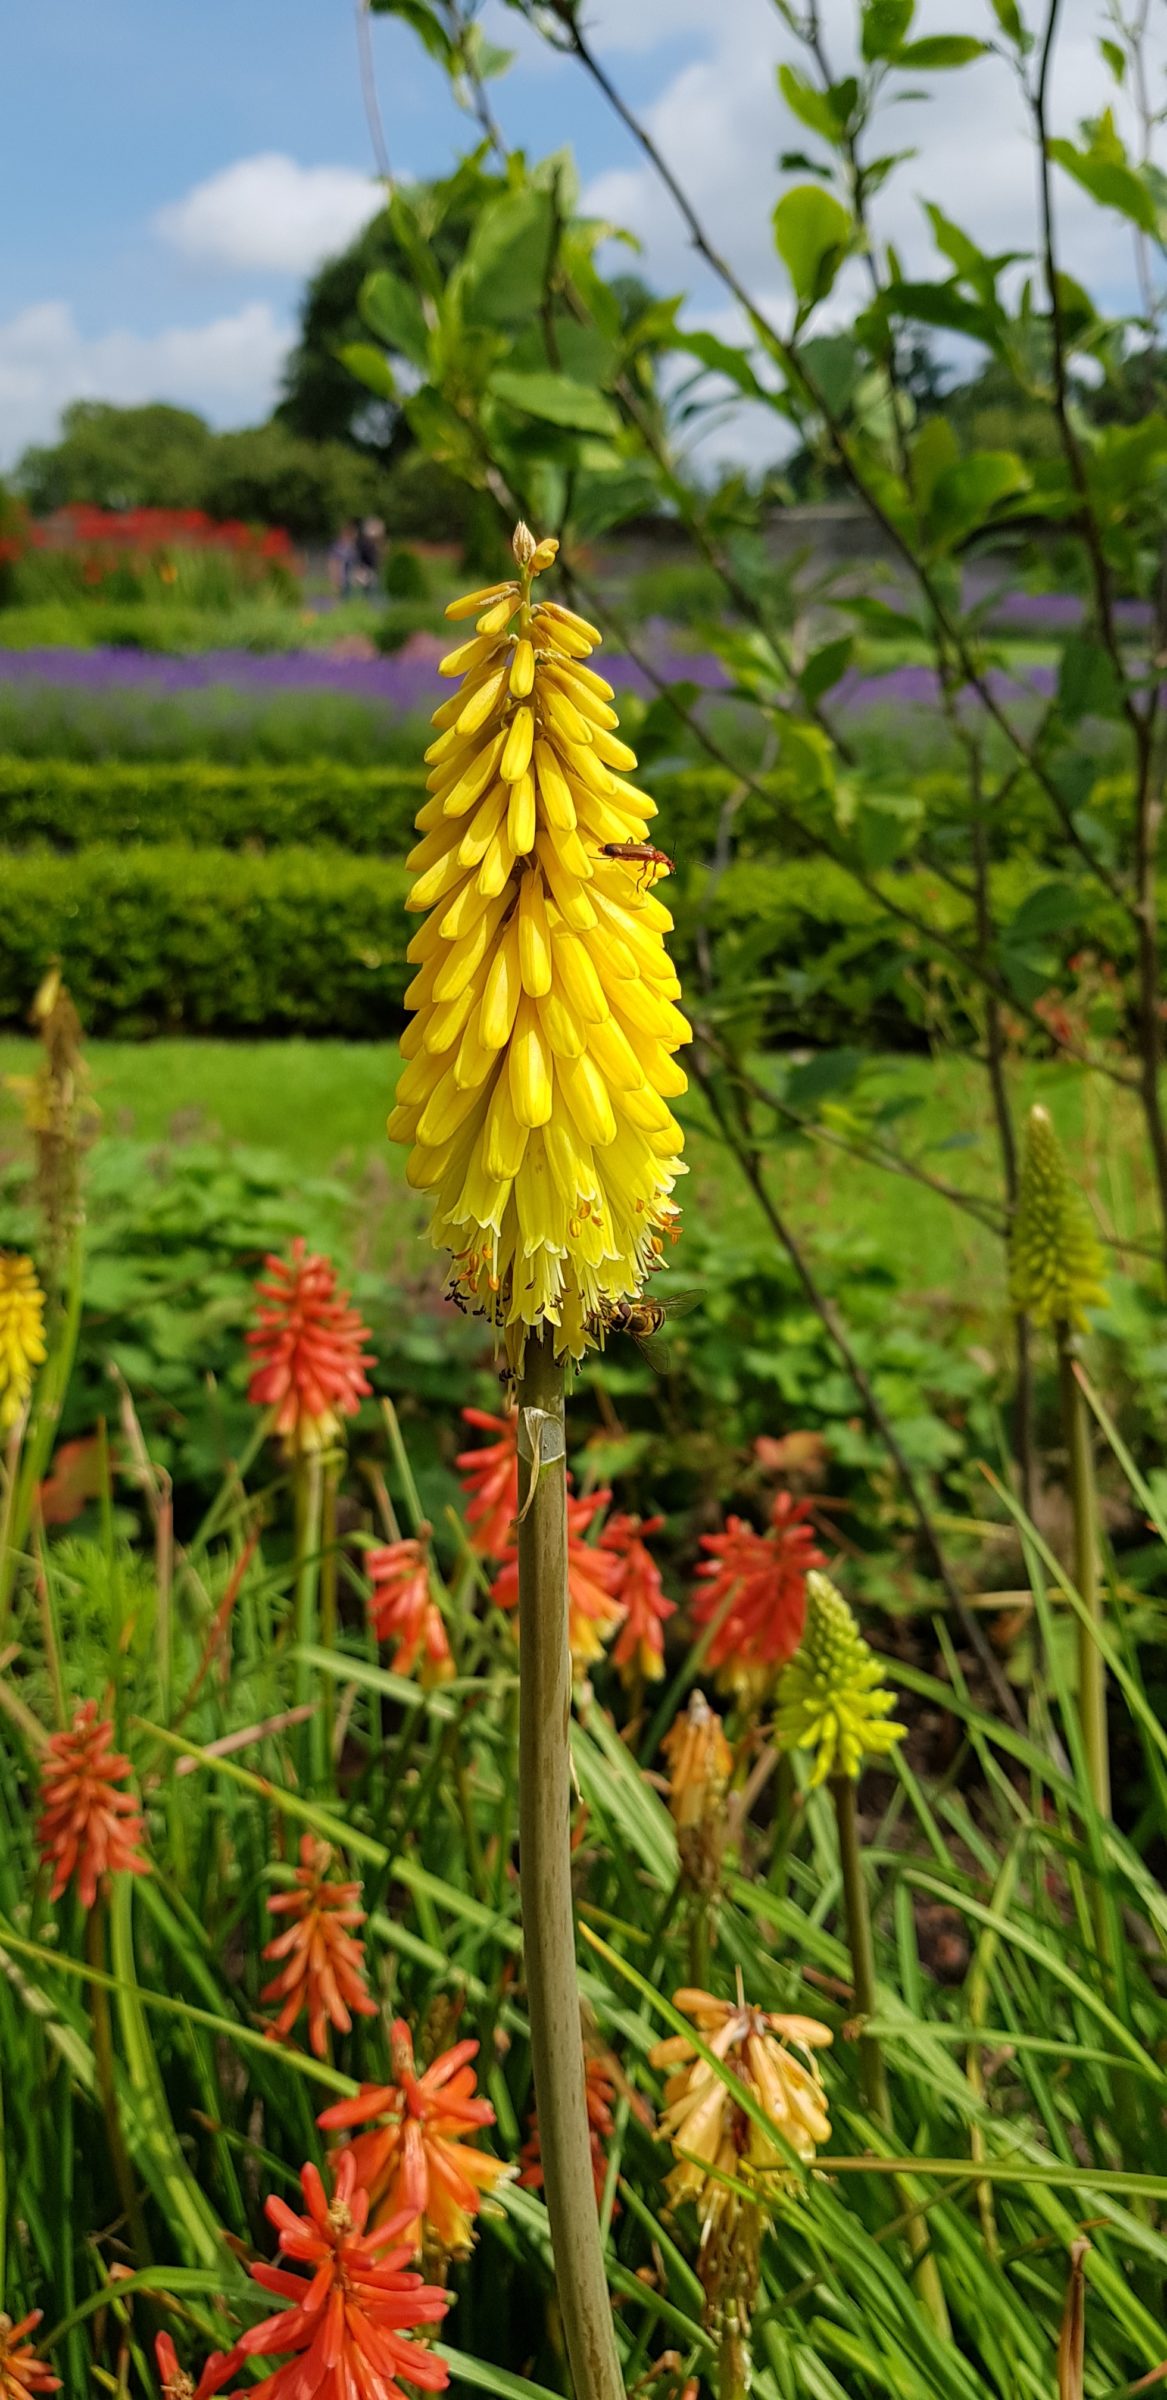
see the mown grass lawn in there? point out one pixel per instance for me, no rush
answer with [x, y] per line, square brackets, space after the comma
[323, 1105]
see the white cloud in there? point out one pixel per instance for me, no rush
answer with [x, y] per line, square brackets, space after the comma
[269, 213]
[227, 367]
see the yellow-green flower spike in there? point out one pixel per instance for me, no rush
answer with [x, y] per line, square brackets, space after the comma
[830, 1697]
[1055, 1264]
[22, 1336]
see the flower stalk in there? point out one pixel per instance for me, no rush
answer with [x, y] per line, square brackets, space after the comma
[1087, 1580]
[103, 2063]
[545, 1859]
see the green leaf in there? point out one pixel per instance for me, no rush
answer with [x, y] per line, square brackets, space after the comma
[826, 666]
[556, 400]
[885, 22]
[1009, 18]
[1087, 684]
[1115, 58]
[813, 232]
[429, 29]
[1109, 179]
[370, 367]
[725, 359]
[826, 113]
[392, 310]
[965, 495]
[832, 361]
[941, 50]
[504, 273]
[934, 450]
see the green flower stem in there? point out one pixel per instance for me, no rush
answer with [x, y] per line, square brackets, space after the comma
[545, 1881]
[1084, 1501]
[307, 1491]
[106, 2085]
[329, 1564]
[872, 2071]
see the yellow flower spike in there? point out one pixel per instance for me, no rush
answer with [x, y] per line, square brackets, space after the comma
[830, 1698]
[539, 1070]
[1055, 1263]
[710, 2132]
[22, 1340]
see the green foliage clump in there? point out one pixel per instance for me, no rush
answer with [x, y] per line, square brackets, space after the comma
[63, 804]
[170, 937]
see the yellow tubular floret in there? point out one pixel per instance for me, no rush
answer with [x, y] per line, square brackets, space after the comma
[539, 1063]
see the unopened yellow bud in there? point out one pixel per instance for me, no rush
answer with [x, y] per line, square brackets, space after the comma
[830, 1698]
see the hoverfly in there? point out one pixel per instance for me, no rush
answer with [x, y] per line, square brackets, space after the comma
[643, 1320]
[653, 863]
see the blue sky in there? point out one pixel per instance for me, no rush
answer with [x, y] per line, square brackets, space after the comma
[171, 169]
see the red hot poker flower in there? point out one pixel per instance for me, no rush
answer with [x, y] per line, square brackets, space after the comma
[21, 2371]
[416, 2162]
[87, 1826]
[639, 1649]
[325, 1970]
[306, 1347]
[593, 1612]
[762, 1576]
[599, 2092]
[353, 2310]
[178, 2385]
[490, 1476]
[403, 1610]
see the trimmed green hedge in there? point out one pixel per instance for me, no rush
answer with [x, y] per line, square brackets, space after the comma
[159, 937]
[171, 939]
[67, 803]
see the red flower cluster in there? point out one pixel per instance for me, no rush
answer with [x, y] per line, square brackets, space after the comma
[21, 2371]
[490, 1477]
[593, 1612]
[759, 1581]
[146, 530]
[599, 2093]
[416, 2163]
[306, 1344]
[325, 1969]
[178, 2385]
[87, 1826]
[639, 1649]
[403, 1609]
[353, 2309]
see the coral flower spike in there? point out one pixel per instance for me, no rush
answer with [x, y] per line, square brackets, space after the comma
[415, 2159]
[87, 1827]
[352, 2311]
[21, 2371]
[178, 2385]
[539, 1060]
[324, 1960]
[403, 1610]
[759, 1580]
[490, 1477]
[593, 1576]
[305, 1344]
[639, 1648]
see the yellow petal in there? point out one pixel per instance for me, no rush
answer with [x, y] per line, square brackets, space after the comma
[534, 936]
[587, 1097]
[483, 702]
[437, 882]
[567, 892]
[562, 716]
[494, 873]
[462, 960]
[483, 826]
[475, 1061]
[442, 1027]
[471, 602]
[530, 1068]
[521, 816]
[522, 668]
[503, 987]
[558, 805]
[474, 779]
[516, 757]
[616, 1058]
[575, 969]
[570, 1159]
[561, 1025]
[493, 619]
[551, 635]
[570, 852]
[467, 657]
[582, 766]
[505, 1139]
[444, 1111]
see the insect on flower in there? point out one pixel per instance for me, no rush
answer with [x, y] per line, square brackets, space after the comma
[650, 862]
[643, 1321]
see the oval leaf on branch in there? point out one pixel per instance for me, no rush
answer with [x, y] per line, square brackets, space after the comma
[370, 366]
[555, 399]
[813, 232]
[941, 50]
[392, 311]
[964, 496]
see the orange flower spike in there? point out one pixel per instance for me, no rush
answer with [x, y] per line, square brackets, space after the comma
[403, 1610]
[21, 2371]
[416, 2163]
[490, 1476]
[763, 1578]
[639, 1649]
[592, 1577]
[178, 2385]
[325, 1969]
[87, 1826]
[599, 2094]
[353, 2309]
[305, 1344]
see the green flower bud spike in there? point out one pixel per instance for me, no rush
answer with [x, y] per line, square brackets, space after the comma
[832, 1701]
[830, 1698]
[1055, 1264]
